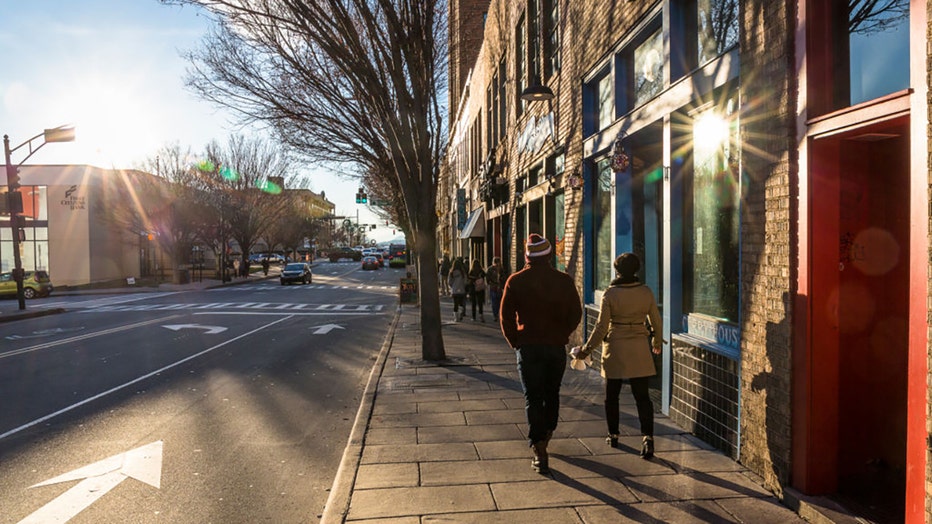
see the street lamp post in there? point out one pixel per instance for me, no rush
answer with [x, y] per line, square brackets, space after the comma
[15, 199]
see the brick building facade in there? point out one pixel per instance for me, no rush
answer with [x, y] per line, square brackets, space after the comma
[768, 161]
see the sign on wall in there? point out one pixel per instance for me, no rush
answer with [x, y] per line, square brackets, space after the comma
[460, 209]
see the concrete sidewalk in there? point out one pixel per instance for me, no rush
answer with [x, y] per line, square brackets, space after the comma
[446, 442]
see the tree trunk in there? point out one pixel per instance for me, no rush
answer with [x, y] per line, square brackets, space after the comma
[429, 289]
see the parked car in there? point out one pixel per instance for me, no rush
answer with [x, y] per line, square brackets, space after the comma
[296, 272]
[35, 284]
[370, 262]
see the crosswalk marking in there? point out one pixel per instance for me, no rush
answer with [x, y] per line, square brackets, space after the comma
[253, 306]
[268, 287]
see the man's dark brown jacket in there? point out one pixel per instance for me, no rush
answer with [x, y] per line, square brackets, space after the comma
[540, 305]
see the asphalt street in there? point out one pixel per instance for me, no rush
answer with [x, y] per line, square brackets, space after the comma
[230, 404]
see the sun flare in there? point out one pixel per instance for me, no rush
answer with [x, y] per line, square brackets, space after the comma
[112, 123]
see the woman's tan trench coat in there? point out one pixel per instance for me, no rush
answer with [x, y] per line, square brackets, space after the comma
[626, 352]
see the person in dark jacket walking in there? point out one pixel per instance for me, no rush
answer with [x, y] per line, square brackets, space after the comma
[476, 284]
[540, 310]
[495, 277]
[457, 282]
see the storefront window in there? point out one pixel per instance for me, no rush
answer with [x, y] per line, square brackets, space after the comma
[717, 27]
[713, 217]
[602, 226]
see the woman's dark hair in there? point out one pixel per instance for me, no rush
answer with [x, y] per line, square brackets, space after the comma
[627, 266]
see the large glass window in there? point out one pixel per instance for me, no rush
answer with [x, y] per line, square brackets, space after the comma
[520, 64]
[533, 40]
[602, 255]
[648, 68]
[552, 49]
[878, 39]
[712, 217]
[717, 27]
[605, 102]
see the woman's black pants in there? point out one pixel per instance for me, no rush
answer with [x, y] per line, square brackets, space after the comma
[639, 388]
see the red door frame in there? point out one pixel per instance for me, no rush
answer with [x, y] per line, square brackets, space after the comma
[813, 416]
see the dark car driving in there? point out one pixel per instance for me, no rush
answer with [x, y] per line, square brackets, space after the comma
[370, 262]
[299, 272]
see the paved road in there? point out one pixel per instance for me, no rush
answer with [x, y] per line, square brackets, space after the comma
[223, 405]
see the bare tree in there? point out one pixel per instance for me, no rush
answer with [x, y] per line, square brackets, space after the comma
[384, 190]
[352, 81]
[871, 16]
[240, 177]
[171, 216]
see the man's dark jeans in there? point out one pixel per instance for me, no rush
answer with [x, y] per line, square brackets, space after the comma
[541, 368]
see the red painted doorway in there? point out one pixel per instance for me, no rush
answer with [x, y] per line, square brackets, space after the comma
[855, 420]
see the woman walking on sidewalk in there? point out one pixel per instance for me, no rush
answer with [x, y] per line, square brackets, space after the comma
[626, 347]
[476, 287]
[457, 282]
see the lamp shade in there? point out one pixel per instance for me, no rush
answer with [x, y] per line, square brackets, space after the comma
[537, 93]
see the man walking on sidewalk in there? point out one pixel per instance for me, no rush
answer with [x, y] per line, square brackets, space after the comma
[540, 310]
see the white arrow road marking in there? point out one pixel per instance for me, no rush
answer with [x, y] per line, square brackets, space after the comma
[44, 333]
[209, 330]
[143, 463]
[326, 328]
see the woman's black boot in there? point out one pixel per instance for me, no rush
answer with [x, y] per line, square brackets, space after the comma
[647, 447]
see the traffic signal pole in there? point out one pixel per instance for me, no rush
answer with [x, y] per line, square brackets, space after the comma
[12, 180]
[58, 134]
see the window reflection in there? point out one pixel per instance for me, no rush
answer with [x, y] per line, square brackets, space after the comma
[717, 27]
[602, 214]
[648, 68]
[714, 217]
[878, 48]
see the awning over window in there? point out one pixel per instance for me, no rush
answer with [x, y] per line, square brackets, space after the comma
[475, 225]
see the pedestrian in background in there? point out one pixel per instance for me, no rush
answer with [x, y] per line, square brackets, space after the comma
[626, 347]
[540, 310]
[495, 279]
[445, 266]
[457, 282]
[476, 285]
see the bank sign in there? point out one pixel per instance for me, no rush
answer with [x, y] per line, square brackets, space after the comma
[73, 201]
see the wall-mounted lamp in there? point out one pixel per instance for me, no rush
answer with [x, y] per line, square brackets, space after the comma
[536, 92]
[575, 181]
[620, 158]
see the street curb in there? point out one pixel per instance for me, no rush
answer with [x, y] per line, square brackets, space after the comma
[337, 506]
[10, 317]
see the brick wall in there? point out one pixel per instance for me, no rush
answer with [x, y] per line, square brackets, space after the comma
[466, 33]
[768, 253]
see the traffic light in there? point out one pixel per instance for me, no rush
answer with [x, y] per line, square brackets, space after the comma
[361, 197]
[12, 178]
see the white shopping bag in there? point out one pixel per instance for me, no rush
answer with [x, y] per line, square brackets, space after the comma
[579, 364]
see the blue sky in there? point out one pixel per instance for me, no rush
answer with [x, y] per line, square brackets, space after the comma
[114, 69]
